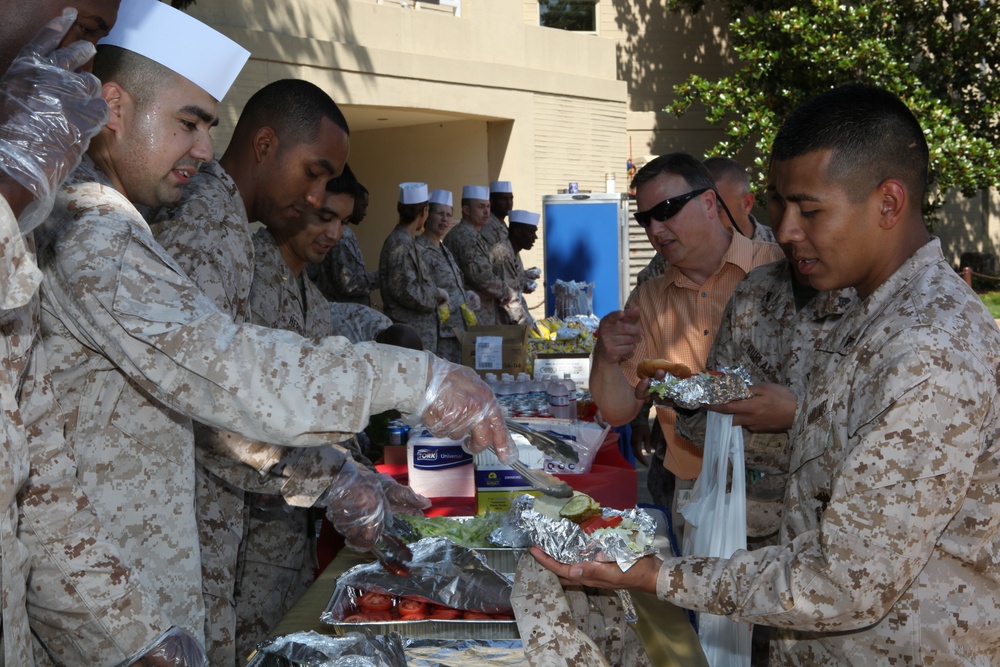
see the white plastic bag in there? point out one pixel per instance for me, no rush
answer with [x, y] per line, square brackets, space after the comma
[718, 528]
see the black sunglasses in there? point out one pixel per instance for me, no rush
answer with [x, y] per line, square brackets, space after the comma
[666, 209]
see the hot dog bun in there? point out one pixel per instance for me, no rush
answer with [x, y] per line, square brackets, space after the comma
[647, 368]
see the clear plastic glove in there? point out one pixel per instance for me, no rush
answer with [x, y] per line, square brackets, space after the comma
[459, 403]
[530, 286]
[534, 273]
[357, 506]
[472, 299]
[442, 295]
[402, 499]
[48, 114]
[174, 648]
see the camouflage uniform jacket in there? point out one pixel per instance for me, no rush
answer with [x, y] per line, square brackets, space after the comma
[83, 603]
[446, 275]
[211, 215]
[889, 531]
[507, 264]
[342, 275]
[355, 322]
[472, 252]
[495, 231]
[409, 294]
[137, 351]
[761, 232]
[762, 331]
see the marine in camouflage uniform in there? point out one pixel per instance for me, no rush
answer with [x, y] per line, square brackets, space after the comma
[208, 235]
[83, 603]
[447, 276]
[409, 293]
[342, 275]
[495, 231]
[355, 322]
[472, 252]
[767, 332]
[507, 264]
[889, 529]
[138, 350]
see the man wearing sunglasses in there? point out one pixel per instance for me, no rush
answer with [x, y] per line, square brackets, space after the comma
[676, 315]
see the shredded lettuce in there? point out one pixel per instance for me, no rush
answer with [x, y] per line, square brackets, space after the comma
[469, 532]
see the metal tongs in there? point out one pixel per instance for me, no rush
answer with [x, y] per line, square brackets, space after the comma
[546, 442]
[393, 554]
[539, 479]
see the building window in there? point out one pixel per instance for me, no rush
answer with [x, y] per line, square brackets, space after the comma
[579, 15]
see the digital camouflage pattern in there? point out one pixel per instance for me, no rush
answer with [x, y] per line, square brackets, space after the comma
[889, 530]
[138, 350]
[578, 627]
[211, 214]
[83, 602]
[472, 252]
[507, 264]
[342, 275]
[762, 331]
[494, 231]
[409, 295]
[448, 276]
[355, 322]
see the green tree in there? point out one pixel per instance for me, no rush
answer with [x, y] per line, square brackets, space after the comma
[941, 57]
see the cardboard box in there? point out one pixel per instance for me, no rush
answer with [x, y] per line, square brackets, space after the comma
[495, 349]
[577, 365]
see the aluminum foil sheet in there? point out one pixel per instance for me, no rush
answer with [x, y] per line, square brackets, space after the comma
[441, 571]
[465, 653]
[566, 542]
[703, 388]
[311, 649]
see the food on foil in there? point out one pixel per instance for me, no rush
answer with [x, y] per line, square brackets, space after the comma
[374, 607]
[573, 531]
[442, 575]
[311, 648]
[703, 388]
[472, 532]
[647, 368]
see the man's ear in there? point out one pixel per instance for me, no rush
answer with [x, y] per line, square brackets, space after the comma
[265, 143]
[893, 200]
[117, 100]
[747, 202]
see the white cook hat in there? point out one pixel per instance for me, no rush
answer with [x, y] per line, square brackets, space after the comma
[475, 192]
[523, 217]
[412, 193]
[501, 187]
[179, 42]
[442, 197]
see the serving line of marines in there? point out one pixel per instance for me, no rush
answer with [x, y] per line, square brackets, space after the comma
[179, 399]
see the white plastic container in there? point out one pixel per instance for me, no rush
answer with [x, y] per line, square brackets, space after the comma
[573, 395]
[439, 467]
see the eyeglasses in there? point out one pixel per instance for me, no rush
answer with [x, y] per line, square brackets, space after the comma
[666, 209]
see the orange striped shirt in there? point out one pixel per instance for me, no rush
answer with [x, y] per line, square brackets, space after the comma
[679, 320]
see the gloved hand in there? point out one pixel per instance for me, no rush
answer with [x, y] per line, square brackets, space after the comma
[174, 648]
[530, 286]
[48, 114]
[534, 273]
[356, 505]
[442, 295]
[402, 499]
[473, 300]
[459, 403]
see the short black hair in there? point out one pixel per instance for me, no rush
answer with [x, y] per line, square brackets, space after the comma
[345, 183]
[679, 164]
[137, 74]
[293, 108]
[870, 132]
[410, 212]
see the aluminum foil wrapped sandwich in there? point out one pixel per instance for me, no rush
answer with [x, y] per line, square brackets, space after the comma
[690, 390]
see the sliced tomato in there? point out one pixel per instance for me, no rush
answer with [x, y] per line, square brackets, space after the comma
[446, 614]
[413, 617]
[357, 618]
[372, 601]
[476, 616]
[502, 617]
[597, 522]
[408, 606]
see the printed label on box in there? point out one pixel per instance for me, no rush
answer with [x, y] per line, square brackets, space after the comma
[489, 353]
